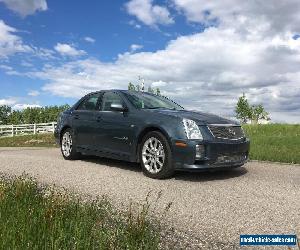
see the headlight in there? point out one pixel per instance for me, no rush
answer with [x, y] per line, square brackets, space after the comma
[191, 129]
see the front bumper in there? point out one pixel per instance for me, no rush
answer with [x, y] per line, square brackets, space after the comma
[216, 155]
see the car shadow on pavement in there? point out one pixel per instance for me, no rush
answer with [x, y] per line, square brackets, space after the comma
[132, 166]
[179, 175]
[211, 175]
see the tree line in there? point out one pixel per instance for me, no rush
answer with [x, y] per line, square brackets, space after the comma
[30, 115]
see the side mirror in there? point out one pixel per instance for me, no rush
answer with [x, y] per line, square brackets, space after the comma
[118, 107]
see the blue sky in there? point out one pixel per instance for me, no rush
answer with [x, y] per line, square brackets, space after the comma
[202, 54]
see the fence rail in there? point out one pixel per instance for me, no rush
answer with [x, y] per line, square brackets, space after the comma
[23, 129]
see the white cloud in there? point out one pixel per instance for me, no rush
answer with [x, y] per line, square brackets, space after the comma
[248, 50]
[89, 39]
[135, 47]
[20, 106]
[159, 84]
[68, 50]
[26, 7]
[43, 53]
[148, 13]
[250, 16]
[205, 71]
[134, 24]
[6, 67]
[33, 93]
[9, 70]
[26, 64]
[9, 42]
[16, 103]
[9, 101]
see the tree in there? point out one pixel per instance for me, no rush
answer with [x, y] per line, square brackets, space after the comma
[157, 91]
[243, 109]
[150, 90]
[131, 86]
[254, 113]
[31, 115]
[258, 113]
[138, 87]
[4, 114]
[15, 117]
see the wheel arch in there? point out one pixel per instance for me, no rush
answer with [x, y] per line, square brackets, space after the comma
[145, 131]
[64, 128]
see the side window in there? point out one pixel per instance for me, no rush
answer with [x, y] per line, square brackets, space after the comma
[108, 99]
[90, 103]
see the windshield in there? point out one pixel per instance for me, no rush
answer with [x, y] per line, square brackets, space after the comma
[142, 100]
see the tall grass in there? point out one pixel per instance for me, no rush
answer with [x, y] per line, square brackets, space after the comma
[38, 140]
[31, 218]
[274, 142]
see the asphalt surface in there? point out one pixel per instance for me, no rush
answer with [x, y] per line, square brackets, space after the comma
[209, 210]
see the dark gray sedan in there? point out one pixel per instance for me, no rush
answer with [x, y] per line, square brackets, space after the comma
[150, 129]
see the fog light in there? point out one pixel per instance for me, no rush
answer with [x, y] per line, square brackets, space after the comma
[200, 152]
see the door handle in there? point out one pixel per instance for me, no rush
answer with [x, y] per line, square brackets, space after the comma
[76, 117]
[98, 119]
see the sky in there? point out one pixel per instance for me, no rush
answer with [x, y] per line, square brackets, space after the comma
[203, 54]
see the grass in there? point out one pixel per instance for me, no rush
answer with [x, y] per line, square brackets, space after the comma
[274, 142]
[32, 217]
[38, 140]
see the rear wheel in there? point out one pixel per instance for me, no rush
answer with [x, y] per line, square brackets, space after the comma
[156, 156]
[66, 145]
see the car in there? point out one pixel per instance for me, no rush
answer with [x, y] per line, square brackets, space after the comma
[152, 130]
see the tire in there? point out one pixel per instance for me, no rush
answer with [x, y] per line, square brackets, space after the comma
[156, 156]
[66, 145]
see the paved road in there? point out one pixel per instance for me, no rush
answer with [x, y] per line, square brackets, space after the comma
[259, 198]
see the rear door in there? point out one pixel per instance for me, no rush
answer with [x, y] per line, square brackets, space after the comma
[84, 121]
[114, 132]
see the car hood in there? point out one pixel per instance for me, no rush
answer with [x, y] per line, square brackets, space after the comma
[200, 118]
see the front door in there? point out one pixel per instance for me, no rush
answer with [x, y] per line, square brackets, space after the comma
[114, 133]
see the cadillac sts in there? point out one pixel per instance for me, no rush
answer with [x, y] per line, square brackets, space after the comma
[152, 130]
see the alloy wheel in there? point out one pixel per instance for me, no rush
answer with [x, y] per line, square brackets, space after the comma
[66, 144]
[153, 155]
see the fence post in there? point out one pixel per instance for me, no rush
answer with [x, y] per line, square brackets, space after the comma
[34, 128]
[53, 126]
[12, 130]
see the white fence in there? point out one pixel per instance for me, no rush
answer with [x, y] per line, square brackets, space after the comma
[23, 129]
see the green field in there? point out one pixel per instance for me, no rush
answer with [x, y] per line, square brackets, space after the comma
[274, 142]
[44, 218]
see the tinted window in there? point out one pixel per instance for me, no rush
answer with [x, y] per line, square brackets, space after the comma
[90, 103]
[108, 99]
[143, 100]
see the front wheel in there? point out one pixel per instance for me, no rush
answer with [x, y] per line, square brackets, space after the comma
[67, 146]
[156, 156]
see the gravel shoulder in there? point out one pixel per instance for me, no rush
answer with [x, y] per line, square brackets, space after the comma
[208, 209]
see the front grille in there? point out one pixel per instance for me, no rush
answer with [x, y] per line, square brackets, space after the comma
[226, 132]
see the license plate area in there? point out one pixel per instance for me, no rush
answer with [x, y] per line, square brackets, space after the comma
[231, 158]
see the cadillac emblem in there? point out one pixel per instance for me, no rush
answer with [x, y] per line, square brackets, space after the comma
[231, 131]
